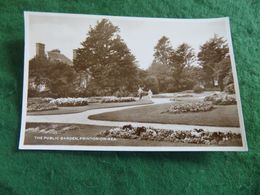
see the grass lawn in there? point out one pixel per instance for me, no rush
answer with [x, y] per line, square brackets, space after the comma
[225, 116]
[88, 131]
[76, 109]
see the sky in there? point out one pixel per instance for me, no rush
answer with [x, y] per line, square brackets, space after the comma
[67, 31]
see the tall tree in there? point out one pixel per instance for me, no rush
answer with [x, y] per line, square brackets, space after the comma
[162, 51]
[159, 67]
[215, 61]
[107, 58]
[180, 60]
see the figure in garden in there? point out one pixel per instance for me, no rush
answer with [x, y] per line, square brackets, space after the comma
[140, 93]
[150, 94]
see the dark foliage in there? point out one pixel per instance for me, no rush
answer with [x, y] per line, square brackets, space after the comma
[109, 61]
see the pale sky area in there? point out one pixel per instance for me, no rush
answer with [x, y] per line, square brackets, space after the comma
[67, 31]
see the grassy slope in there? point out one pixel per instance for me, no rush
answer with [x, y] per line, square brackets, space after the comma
[226, 116]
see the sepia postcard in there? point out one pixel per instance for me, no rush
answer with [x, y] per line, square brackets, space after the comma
[109, 83]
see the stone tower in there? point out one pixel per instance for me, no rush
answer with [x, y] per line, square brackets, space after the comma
[40, 50]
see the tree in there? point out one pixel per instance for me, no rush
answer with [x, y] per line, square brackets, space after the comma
[38, 66]
[162, 50]
[180, 60]
[58, 78]
[215, 60]
[151, 82]
[107, 58]
[159, 67]
[193, 74]
[61, 77]
[162, 73]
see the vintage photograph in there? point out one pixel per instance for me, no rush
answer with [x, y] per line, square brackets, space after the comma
[110, 83]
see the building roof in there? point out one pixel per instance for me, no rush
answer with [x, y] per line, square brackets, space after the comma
[55, 55]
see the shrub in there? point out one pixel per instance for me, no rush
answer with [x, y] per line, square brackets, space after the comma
[221, 99]
[190, 107]
[121, 93]
[197, 89]
[40, 104]
[230, 88]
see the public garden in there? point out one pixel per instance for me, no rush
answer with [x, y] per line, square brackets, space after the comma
[182, 98]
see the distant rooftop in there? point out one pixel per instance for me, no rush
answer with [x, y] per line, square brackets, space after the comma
[55, 55]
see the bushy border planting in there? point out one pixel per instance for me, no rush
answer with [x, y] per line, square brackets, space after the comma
[222, 99]
[53, 129]
[70, 101]
[40, 104]
[190, 107]
[43, 104]
[117, 99]
[196, 136]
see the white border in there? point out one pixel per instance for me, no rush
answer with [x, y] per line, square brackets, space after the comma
[123, 148]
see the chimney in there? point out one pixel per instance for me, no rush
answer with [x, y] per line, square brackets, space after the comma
[74, 54]
[40, 50]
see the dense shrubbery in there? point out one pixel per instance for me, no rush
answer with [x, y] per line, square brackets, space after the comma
[40, 104]
[196, 136]
[197, 89]
[221, 99]
[230, 88]
[56, 83]
[190, 107]
[229, 83]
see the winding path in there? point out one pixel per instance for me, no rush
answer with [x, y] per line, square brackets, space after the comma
[83, 118]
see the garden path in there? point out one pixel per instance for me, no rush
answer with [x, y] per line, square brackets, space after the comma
[83, 118]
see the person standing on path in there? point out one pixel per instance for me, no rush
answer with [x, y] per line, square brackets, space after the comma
[150, 94]
[140, 93]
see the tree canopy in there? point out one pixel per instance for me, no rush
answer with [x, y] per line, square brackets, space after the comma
[162, 51]
[109, 67]
[180, 60]
[105, 55]
[215, 60]
[171, 66]
[58, 77]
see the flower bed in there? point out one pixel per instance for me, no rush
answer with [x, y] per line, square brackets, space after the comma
[222, 99]
[117, 99]
[70, 101]
[190, 107]
[183, 95]
[53, 129]
[43, 104]
[110, 99]
[196, 136]
[40, 104]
